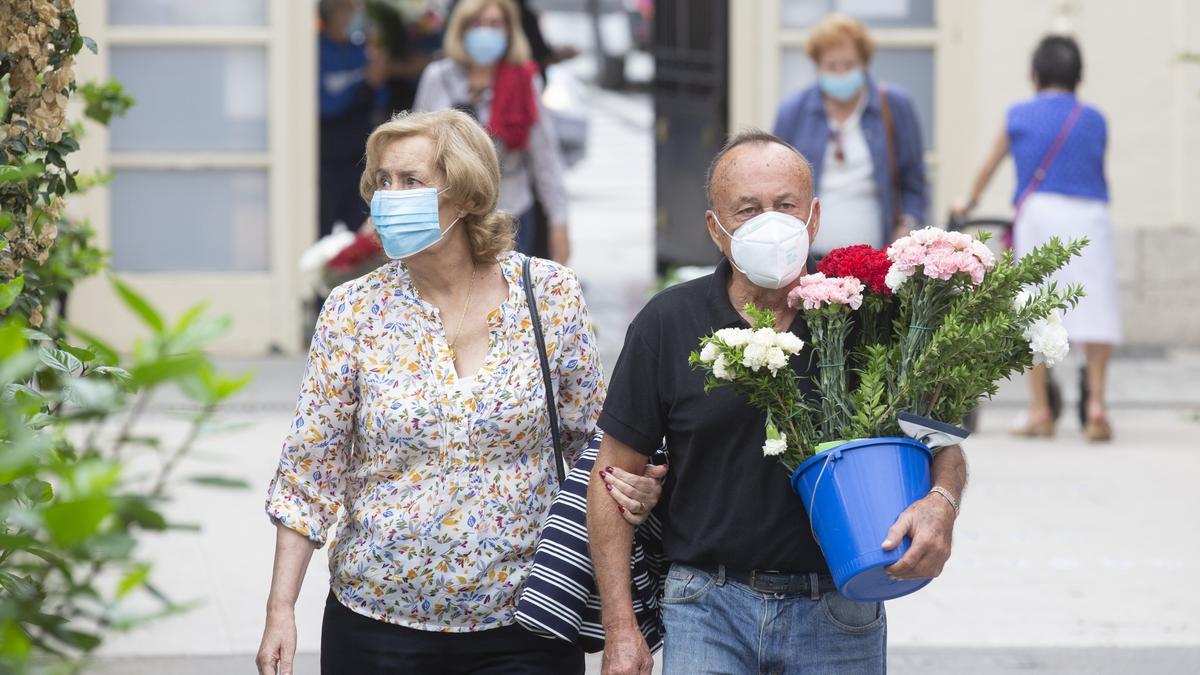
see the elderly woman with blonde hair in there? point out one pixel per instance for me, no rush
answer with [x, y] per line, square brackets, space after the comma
[422, 424]
[863, 139]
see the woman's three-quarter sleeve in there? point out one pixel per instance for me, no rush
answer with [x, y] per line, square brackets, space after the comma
[580, 373]
[306, 493]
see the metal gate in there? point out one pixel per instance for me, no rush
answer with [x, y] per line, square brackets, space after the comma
[691, 50]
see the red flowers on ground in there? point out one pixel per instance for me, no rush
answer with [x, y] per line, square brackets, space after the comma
[868, 265]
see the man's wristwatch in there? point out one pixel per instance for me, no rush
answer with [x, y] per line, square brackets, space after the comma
[949, 497]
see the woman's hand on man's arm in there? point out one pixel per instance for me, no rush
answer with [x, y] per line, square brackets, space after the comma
[636, 496]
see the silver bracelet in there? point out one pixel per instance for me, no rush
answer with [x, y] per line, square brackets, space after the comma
[946, 493]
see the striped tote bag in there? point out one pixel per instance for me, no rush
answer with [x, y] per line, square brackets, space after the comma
[560, 599]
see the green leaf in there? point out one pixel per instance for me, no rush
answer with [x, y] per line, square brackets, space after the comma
[77, 639]
[133, 579]
[17, 367]
[139, 305]
[101, 348]
[114, 371]
[16, 174]
[89, 43]
[14, 643]
[139, 511]
[12, 337]
[221, 482]
[39, 491]
[5, 221]
[60, 360]
[92, 394]
[82, 353]
[36, 335]
[169, 368]
[10, 290]
[22, 588]
[71, 522]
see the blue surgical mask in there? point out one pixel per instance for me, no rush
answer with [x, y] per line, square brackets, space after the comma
[407, 220]
[485, 45]
[842, 86]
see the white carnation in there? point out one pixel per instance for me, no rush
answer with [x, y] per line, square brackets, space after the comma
[1048, 340]
[755, 356]
[896, 277]
[789, 343]
[710, 352]
[776, 359]
[721, 369]
[734, 337]
[774, 447]
[764, 337]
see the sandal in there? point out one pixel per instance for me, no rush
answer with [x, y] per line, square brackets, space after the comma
[1044, 429]
[1098, 430]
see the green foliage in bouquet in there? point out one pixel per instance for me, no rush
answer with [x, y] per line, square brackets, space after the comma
[982, 334]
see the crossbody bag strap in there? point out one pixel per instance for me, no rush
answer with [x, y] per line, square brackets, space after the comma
[889, 128]
[1040, 174]
[551, 406]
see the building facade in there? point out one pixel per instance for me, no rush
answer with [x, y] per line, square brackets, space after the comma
[213, 172]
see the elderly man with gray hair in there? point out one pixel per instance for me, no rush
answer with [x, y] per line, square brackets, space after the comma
[748, 590]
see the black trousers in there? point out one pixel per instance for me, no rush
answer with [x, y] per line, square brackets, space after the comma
[355, 644]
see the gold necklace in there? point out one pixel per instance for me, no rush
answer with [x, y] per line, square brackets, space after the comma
[462, 317]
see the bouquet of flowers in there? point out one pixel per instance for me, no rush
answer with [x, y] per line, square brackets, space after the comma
[908, 338]
[928, 326]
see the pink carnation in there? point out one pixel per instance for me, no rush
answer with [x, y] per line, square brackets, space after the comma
[814, 290]
[941, 255]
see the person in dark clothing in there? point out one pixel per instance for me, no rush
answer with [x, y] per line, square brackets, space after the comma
[348, 91]
[748, 589]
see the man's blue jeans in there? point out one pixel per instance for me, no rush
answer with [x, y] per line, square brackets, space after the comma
[718, 625]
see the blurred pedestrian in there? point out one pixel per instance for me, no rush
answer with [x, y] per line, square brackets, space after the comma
[488, 71]
[1057, 144]
[422, 424]
[863, 139]
[350, 77]
[410, 33]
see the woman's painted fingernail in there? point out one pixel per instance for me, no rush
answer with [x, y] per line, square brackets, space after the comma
[607, 486]
[608, 469]
[621, 508]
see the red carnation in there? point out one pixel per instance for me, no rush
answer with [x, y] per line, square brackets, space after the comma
[868, 265]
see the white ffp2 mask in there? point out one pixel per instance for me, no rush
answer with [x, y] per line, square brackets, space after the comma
[771, 248]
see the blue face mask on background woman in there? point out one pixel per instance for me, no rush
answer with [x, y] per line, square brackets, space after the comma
[407, 220]
[485, 45]
[842, 86]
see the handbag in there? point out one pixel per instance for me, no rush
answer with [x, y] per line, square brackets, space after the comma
[560, 599]
[889, 129]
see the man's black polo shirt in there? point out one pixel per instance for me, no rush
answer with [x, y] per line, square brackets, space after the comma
[724, 503]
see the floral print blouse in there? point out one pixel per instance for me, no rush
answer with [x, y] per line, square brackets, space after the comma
[441, 485]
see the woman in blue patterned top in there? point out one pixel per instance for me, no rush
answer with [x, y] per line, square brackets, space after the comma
[1057, 144]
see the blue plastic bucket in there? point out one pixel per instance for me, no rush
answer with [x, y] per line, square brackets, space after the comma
[854, 492]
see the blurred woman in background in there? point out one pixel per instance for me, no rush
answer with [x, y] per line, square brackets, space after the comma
[1058, 145]
[489, 73]
[862, 138]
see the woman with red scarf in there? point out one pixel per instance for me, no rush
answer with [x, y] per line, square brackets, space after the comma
[488, 72]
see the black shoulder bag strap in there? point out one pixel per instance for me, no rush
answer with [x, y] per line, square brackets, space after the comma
[551, 406]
